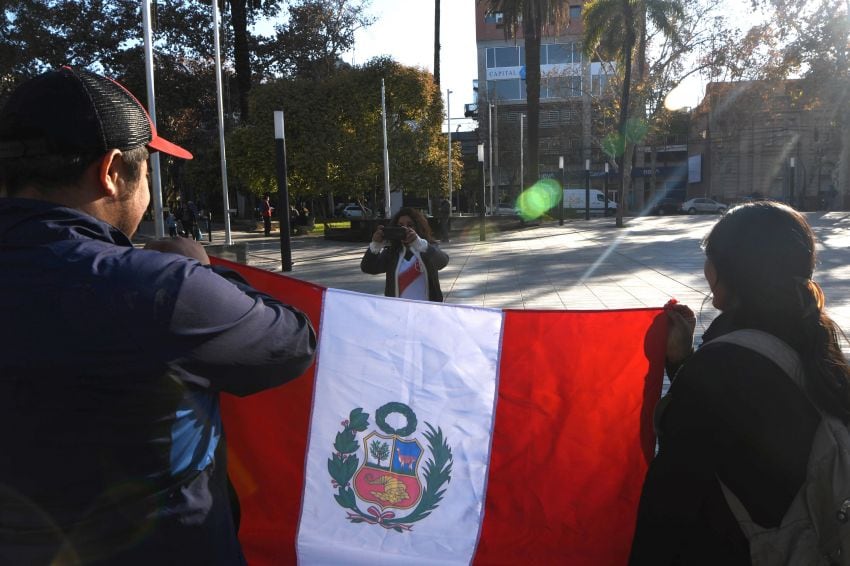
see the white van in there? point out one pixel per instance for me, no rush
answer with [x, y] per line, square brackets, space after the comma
[574, 199]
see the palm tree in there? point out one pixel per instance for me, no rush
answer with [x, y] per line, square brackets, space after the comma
[613, 28]
[437, 43]
[532, 15]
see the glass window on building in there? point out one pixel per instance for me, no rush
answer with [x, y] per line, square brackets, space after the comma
[598, 84]
[491, 57]
[507, 56]
[512, 89]
[575, 13]
[578, 56]
[562, 87]
[574, 86]
[558, 54]
[494, 18]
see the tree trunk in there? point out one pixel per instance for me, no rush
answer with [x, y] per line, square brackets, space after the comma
[628, 48]
[239, 13]
[532, 87]
[437, 43]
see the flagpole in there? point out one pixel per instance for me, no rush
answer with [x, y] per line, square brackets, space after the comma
[387, 209]
[156, 183]
[228, 238]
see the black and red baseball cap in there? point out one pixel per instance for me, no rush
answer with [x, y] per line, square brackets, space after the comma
[74, 111]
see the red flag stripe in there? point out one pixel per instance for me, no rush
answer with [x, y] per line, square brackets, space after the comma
[572, 440]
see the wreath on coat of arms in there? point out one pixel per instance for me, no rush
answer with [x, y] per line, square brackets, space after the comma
[389, 477]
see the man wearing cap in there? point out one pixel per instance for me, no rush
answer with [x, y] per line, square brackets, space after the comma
[111, 357]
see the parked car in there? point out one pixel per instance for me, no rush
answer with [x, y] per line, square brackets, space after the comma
[701, 205]
[505, 210]
[666, 206]
[355, 212]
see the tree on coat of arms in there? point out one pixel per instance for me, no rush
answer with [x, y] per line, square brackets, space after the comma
[379, 450]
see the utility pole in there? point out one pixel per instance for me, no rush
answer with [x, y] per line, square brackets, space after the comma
[449, 132]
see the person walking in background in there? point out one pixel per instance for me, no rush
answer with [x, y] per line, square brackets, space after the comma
[444, 212]
[112, 357]
[266, 210]
[190, 220]
[171, 224]
[408, 255]
[294, 215]
[208, 222]
[732, 414]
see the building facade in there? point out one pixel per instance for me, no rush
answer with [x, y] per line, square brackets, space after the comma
[766, 139]
[573, 89]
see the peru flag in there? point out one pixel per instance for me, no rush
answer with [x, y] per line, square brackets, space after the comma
[433, 433]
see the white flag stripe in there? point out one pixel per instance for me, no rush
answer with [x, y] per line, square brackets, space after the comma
[440, 363]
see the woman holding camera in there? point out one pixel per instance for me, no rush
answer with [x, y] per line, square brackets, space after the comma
[407, 253]
[733, 422]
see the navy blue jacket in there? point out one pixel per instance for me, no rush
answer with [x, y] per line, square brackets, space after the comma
[111, 361]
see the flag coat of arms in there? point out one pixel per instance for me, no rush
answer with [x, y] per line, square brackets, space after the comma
[433, 433]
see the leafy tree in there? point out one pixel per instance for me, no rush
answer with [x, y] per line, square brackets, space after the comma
[311, 42]
[811, 39]
[379, 450]
[38, 35]
[615, 28]
[531, 16]
[334, 138]
[243, 14]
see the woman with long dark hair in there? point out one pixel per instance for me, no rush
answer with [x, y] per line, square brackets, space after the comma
[732, 415]
[408, 255]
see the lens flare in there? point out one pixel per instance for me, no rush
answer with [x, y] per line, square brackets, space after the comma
[538, 199]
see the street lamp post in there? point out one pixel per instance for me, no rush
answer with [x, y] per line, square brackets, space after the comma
[521, 162]
[587, 189]
[481, 234]
[605, 188]
[449, 132]
[791, 199]
[490, 147]
[282, 192]
[563, 186]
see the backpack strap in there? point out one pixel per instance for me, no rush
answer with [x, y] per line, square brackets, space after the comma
[769, 346]
[783, 355]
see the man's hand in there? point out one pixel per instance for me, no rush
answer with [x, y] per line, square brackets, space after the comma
[680, 333]
[181, 246]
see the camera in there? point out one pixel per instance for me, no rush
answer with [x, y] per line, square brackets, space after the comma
[395, 233]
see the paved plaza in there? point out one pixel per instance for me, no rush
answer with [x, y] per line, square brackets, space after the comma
[580, 265]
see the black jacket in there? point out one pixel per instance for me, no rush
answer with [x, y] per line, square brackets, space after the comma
[111, 363]
[730, 413]
[387, 260]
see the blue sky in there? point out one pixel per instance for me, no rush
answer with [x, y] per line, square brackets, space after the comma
[404, 30]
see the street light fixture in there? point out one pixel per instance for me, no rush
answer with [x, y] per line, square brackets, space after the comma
[792, 163]
[490, 147]
[481, 234]
[521, 162]
[282, 191]
[563, 188]
[587, 189]
[605, 188]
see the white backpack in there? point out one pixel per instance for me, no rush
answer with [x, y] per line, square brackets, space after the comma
[816, 528]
